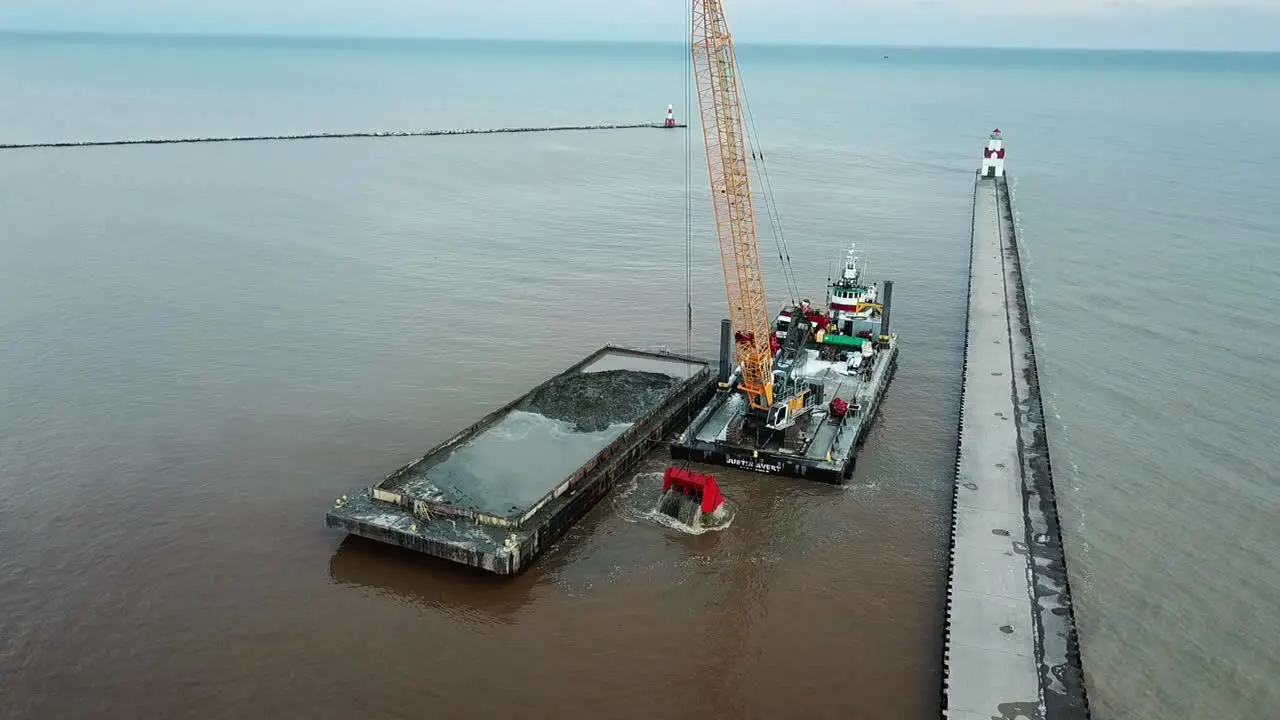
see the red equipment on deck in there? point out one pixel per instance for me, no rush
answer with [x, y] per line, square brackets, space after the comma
[819, 321]
[690, 484]
[838, 407]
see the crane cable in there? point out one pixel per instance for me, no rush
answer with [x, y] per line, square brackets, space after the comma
[771, 207]
[688, 205]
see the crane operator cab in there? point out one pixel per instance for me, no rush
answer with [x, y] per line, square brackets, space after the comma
[794, 395]
[778, 416]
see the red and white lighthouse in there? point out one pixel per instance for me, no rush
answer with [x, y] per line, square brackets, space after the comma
[671, 116]
[993, 156]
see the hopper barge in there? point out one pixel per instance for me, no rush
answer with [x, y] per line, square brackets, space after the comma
[500, 492]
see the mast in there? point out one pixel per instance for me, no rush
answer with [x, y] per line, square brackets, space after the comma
[715, 71]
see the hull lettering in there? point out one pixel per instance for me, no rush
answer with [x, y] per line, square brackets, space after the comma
[756, 465]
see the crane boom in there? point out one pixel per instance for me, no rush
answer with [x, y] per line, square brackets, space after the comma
[715, 70]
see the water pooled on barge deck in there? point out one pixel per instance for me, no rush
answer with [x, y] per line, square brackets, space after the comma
[515, 462]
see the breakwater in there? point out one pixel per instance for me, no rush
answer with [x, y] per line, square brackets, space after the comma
[340, 136]
[1011, 650]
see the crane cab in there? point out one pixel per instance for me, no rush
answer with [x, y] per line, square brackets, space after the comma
[780, 417]
[784, 413]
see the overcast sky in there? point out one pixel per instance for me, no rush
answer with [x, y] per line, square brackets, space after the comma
[1193, 24]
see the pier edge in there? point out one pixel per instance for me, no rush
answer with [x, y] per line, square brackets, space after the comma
[1061, 675]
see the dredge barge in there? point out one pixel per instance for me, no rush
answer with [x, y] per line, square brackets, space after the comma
[841, 358]
[806, 388]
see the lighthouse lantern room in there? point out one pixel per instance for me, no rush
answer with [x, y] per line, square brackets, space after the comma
[993, 156]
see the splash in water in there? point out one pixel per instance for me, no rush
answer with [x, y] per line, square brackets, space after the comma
[685, 513]
[643, 501]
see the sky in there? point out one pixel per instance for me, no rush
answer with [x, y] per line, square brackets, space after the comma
[1138, 24]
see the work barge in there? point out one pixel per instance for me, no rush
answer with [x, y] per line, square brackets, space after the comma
[1010, 649]
[501, 491]
[847, 373]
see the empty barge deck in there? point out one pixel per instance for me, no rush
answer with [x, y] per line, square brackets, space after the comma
[500, 492]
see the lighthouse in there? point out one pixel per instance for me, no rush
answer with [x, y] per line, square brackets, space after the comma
[671, 117]
[993, 156]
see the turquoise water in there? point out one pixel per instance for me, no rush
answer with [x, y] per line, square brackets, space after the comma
[217, 309]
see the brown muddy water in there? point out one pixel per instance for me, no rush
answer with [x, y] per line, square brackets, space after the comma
[225, 351]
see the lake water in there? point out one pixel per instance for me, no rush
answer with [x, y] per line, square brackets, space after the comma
[202, 345]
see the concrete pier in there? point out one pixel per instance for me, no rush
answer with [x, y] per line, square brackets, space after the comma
[339, 136]
[1011, 651]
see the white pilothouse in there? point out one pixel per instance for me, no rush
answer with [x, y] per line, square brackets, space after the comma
[852, 307]
[848, 300]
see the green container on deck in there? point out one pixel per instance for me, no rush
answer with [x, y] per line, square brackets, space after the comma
[843, 340]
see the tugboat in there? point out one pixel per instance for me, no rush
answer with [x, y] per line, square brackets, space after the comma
[853, 313]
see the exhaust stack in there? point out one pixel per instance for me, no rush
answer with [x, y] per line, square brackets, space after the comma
[885, 307]
[726, 351]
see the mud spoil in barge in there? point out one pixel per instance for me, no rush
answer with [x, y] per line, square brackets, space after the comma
[519, 459]
[595, 401]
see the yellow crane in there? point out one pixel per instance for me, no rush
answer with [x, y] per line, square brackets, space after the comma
[724, 129]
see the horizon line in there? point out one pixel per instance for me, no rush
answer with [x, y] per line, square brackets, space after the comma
[284, 35]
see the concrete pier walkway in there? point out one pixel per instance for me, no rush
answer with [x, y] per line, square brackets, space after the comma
[1010, 651]
[335, 136]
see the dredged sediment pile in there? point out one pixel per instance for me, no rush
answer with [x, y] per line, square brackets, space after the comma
[594, 401]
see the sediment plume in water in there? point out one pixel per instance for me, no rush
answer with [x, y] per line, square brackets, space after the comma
[594, 401]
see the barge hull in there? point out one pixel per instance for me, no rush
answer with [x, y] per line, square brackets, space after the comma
[411, 509]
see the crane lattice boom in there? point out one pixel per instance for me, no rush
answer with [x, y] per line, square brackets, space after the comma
[715, 70]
